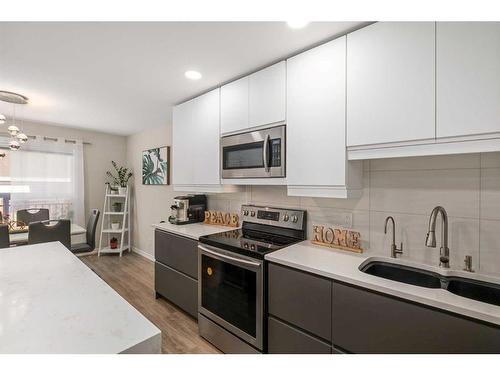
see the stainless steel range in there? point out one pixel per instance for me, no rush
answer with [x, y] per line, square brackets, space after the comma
[233, 276]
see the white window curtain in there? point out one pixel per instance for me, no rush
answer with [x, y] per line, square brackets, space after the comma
[47, 174]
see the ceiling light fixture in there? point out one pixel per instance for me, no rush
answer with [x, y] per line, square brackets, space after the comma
[17, 137]
[193, 74]
[12, 97]
[23, 138]
[297, 24]
[14, 145]
[13, 130]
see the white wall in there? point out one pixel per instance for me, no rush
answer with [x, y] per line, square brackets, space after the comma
[150, 203]
[98, 154]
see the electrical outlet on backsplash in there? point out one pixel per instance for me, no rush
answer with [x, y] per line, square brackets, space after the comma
[340, 219]
[347, 220]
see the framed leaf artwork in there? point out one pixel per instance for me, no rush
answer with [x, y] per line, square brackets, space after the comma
[156, 166]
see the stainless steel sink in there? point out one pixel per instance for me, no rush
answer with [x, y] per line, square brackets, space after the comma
[478, 290]
[403, 274]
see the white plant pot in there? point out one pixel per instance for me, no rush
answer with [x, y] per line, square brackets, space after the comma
[122, 190]
[115, 226]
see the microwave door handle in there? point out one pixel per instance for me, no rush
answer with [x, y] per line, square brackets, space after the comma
[265, 152]
[237, 260]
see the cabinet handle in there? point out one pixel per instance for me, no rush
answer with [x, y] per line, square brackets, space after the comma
[265, 152]
[236, 260]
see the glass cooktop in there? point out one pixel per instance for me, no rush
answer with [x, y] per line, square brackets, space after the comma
[248, 242]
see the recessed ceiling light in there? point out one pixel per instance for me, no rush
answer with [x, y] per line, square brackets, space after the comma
[297, 24]
[192, 74]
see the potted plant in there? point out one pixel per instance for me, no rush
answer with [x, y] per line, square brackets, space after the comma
[112, 189]
[117, 206]
[115, 225]
[113, 243]
[120, 178]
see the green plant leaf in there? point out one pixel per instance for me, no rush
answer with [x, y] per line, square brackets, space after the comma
[153, 174]
[156, 152]
[163, 166]
[122, 175]
[148, 170]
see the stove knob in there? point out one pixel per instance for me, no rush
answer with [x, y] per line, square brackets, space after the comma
[286, 217]
[245, 245]
[252, 247]
[295, 218]
[245, 212]
[252, 213]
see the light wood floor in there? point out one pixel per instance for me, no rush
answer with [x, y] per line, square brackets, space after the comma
[132, 276]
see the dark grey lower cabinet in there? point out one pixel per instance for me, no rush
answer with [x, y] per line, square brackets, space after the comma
[176, 270]
[300, 313]
[301, 299]
[285, 339]
[177, 287]
[363, 321]
[178, 252]
[368, 322]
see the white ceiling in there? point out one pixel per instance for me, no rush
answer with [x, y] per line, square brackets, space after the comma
[124, 77]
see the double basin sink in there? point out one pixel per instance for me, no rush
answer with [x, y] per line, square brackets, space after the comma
[469, 288]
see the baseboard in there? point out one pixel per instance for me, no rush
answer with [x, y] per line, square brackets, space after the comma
[143, 253]
[93, 252]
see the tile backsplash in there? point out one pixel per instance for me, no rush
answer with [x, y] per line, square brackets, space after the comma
[467, 186]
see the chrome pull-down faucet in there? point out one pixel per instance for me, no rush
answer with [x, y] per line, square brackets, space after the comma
[394, 250]
[430, 241]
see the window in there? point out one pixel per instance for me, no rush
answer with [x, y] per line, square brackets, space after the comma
[46, 174]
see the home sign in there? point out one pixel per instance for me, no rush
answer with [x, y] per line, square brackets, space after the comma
[338, 238]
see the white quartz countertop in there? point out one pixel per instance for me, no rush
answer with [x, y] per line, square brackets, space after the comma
[344, 266]
[194, 230]
[51, 302]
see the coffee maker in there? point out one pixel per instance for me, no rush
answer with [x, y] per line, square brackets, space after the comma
[188, 209]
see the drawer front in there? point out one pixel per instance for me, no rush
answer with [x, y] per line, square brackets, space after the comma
[178, 288]
[366, 322]
[284, 339]
[301, 299]
[226, 341]
[177, 252]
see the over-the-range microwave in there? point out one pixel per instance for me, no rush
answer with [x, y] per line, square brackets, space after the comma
[254, 154]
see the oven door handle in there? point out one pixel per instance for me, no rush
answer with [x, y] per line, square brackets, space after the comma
[236, 260]
[265, 152]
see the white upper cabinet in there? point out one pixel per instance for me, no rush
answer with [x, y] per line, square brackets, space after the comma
[234, 106]
[255, 100]
[196, 145]
[390, 83]
[316, 147]
[204, 148]
[182, 170]
[267, 95]
[468, 78]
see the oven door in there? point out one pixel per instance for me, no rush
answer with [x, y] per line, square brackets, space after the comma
[230, 292]
[254, 154]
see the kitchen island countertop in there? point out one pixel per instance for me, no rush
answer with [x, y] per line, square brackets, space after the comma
[51, 302]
